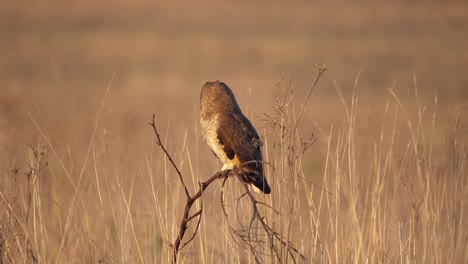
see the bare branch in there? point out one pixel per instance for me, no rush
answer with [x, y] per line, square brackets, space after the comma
[186, 218]
[161, 145]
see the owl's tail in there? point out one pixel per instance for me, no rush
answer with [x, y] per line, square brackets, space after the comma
[254, 175]
[261, 185]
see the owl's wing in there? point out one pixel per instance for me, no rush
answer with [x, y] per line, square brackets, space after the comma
[241, 143]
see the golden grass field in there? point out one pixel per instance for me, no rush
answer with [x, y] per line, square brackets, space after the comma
[83, 181]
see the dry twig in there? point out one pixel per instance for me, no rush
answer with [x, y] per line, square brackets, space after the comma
[249, 234]
[186, 218]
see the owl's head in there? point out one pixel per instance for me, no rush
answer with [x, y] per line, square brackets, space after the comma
[216, 96]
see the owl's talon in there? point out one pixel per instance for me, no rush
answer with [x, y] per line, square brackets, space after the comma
[224, 174]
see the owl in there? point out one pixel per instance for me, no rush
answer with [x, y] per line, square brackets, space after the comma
[230, 134]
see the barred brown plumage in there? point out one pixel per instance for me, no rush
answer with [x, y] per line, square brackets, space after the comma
[230, 134]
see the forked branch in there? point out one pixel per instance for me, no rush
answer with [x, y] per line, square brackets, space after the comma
[186, 218]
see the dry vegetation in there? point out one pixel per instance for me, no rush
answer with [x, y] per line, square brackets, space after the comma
[82, 179]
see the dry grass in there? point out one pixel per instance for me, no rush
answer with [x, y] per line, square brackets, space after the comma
[81, 179]
[386, 195]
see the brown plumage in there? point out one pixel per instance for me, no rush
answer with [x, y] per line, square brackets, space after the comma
[230, 134]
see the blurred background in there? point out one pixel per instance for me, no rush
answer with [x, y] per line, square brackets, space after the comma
[57, 58]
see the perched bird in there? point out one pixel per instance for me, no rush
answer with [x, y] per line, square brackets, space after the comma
[230, 134]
